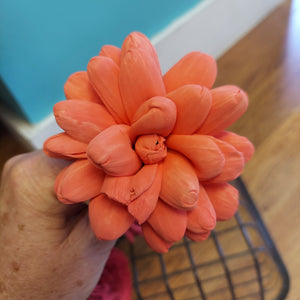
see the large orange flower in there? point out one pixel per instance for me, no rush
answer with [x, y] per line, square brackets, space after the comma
[150, 148]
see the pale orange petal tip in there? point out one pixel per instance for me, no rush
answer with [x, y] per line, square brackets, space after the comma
[148, 148]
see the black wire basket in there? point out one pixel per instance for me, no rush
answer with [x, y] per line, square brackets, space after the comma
[238, 261]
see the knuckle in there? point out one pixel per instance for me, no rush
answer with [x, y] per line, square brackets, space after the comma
[13, 168]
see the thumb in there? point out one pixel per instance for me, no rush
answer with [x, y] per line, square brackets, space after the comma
[30, 178]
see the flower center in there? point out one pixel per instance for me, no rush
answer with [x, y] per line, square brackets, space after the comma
[151, 148]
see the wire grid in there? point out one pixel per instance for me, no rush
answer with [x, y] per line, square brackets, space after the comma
[238, 261]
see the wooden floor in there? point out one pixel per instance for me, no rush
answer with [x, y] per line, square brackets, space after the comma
[266, 63]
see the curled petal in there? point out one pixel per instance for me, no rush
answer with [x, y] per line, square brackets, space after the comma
[82, 120]
[202, 151]
[240, 143]
[193, 103]
[63, 146]
[224, 198]
[79, 182]
[151, 148]
[193, 68]
[109, 219]
[103, 73]
[112, 52]
[79, 87]
[197, 237]
[156, 115]
[138, 40]
[180, 186]
[111, 150]
[140, 80]
[125, 189]
[168, 222]
[234, 162]
[142, 207]
[228, 104]
[153, 240]
[202, 218]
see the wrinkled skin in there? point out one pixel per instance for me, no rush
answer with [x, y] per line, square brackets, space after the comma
[48, 250]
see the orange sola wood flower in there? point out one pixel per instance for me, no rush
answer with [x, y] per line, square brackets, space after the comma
[149, 148]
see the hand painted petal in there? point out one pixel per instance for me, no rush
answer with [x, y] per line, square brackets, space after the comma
[193, 68]
[202, 151]
[140, 80]
[82, 120]
[224, 198]
[63, 146]
[234, 162]
[203, 217]
[228, 104]
[197, 237]
[103, 73]
[168, 222]
[112, 52]
[240, 143]
[193, 104]
[142, 207]
[154, 241]
[79, 87]
[137, 40]
[180, 186]
[125, 189]
[109, 219]
[156, 115]
[111, 150]
[79, 182]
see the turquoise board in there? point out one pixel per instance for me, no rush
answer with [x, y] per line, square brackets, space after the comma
[43, 42]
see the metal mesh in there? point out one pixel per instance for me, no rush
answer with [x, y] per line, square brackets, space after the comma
[238, 261]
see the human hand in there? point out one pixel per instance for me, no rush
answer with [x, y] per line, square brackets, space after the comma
[47, 249]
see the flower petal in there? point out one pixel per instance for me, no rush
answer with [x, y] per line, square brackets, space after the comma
[193, 103]
[82, 120]
[79, 87]
[203, 217]
[156, 115]
[202, 151]
[125, 189]
[240, 143]
[112, 52]
[140, 80]
[111, 150]
[168, 222]
[180, 186]
[63, 146]
[224, 198]
[109, 219]
[138, 40]
[154, 241]
[57, 183]
[103, 73]
[151, 148]
[197, 237]
[142, 207]
[229, 103]
[79, 182]
[193, 68]
[234, 162]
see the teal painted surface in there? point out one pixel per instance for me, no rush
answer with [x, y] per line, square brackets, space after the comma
[43, 42]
